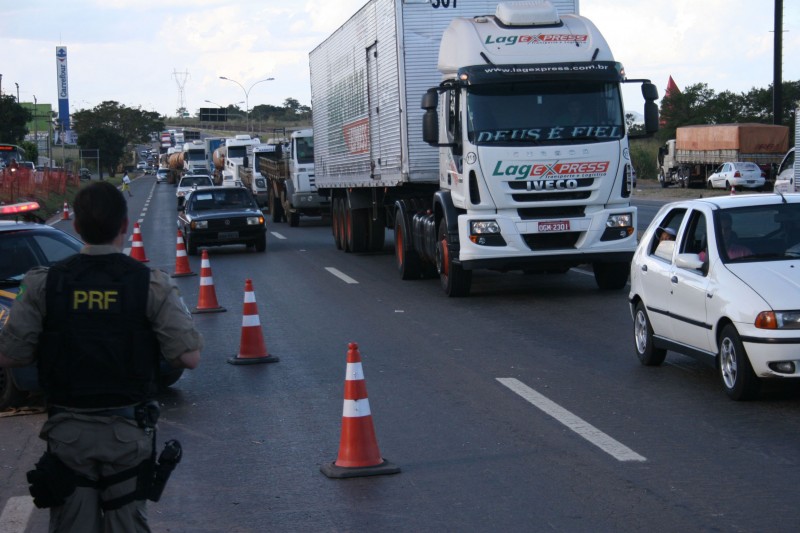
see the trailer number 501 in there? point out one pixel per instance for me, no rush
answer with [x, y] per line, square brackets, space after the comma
[443, 3]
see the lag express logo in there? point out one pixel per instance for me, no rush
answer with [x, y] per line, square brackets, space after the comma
[587, 169]
[542, 38]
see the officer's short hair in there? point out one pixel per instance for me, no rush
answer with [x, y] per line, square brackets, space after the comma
[100, 210]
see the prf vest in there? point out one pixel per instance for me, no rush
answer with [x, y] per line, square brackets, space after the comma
[97, 348]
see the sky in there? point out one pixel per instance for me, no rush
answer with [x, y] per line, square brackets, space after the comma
[139, 52]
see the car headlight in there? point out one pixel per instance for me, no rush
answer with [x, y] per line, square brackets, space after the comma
[255, 221]
[778, 320]
[623, 220]
[200, 224]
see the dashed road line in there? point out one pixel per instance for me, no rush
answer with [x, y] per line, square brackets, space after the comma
[342, 276]
[614, 448]
[277, 235]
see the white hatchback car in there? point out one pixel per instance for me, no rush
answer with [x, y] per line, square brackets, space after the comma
[725, 290]
[742, 174]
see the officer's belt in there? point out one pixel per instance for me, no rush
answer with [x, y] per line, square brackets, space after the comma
[124, 412]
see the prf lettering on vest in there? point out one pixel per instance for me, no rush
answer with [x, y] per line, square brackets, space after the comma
[93, 300]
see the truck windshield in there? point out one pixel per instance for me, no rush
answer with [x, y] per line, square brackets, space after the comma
[304, 149]
[554, 112]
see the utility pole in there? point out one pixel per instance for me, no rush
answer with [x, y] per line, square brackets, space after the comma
[777, 78]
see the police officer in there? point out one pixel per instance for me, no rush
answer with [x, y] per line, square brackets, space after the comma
[96, 324]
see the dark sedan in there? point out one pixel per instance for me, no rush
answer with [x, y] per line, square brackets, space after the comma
[216, 216]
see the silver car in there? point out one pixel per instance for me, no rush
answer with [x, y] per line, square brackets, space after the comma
[739, 174]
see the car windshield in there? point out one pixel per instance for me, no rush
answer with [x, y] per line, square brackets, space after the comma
[747, 167]
[221, 198]
[759, 233]
[542, 112]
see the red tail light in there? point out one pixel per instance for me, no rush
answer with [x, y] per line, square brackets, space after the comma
[737, 174]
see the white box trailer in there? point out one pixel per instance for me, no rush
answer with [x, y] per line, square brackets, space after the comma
[367, 133]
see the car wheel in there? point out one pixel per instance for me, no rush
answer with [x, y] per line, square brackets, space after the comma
[191, 246]
[294, 219]
[261, 244]
[710, 184]
[611, 276]
[10, 396]
[455, 281]
[735, 371]
[647, 353]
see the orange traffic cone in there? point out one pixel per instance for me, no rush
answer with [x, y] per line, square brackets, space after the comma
[733, 190]
[65, 212]
[251, 346]
[358, 448]
[207, 298]
[182, 267]
[137, 246]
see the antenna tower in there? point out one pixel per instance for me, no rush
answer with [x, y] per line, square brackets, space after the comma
[180, 79]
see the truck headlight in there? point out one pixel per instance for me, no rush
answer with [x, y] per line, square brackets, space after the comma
[483, 227]
[619, 221]
[778, 320]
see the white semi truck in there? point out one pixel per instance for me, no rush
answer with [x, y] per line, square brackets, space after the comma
[518, 159]
[291, 180]
[194, 158]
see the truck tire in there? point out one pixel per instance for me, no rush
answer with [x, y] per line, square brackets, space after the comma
[662, 179]
[611, 276]
[341, 234]
[377, 232]
[357, 220]
[294, 219]
[456, 282]
[335, 222]
[275, 208]
[407, 261]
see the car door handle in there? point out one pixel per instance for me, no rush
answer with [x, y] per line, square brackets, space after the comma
[674, 279]
[644, 268]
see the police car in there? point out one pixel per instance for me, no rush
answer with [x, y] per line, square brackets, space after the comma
[24, 244]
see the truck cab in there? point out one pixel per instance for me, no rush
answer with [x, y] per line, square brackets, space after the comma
[786, 179]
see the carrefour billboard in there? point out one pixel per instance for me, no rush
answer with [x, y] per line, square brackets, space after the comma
[62, 87]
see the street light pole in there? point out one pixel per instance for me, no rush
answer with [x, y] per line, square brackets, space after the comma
[17, 84]
[35, 130]
[246, 95]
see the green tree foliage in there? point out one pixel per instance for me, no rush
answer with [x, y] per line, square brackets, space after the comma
[109, 142]
[31, 151]
[13, 118]
[134, 125]
[291, 111]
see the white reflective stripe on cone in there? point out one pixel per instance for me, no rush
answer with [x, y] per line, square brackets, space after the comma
[250, 321]
[249, 298]
[354, 372]
[206, 280]
[356, 408]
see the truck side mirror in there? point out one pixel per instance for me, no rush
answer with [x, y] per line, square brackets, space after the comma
[650, 117]
[430, 120]
[649, 91]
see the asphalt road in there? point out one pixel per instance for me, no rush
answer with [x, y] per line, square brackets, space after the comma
[520, 408]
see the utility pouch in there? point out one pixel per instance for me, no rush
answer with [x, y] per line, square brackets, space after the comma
[51, 482]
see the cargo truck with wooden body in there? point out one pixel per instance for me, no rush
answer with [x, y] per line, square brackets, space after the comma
[485, 135]
[291, 180]
[698, 151]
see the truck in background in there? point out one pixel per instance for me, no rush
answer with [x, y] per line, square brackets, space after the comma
[211, 144]
[518, 161]
[234, 154]
[194, 158]
[697, 151]
[174, 164]
[291, 179]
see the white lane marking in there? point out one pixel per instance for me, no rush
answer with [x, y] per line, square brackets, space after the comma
[16, 514]
[342, 276]
[614, 448]
[277, 235]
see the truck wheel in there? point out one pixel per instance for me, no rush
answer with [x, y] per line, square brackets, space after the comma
[356, 229]
[294, 219]
[456, 282]
[275, 207]
[9, 394]
[341, 212]
[611, 276]
[662, 180]
[335, 222]
[407, 261]
[377, 232]
[735, 370]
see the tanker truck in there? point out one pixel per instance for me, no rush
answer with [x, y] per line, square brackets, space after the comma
[697, 151]
[174, 165]
[517, 160]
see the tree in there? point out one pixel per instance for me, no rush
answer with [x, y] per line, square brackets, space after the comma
[133, 124]
[31, 151]
[111, 146]
[13, 118]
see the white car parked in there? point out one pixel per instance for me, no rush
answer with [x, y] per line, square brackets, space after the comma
[725, 290]
[742, 174]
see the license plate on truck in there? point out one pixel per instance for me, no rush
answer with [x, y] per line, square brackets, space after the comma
[554, 225]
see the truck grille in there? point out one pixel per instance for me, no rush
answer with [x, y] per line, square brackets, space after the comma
[551, 196]
[551, 241]
[551, 212]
